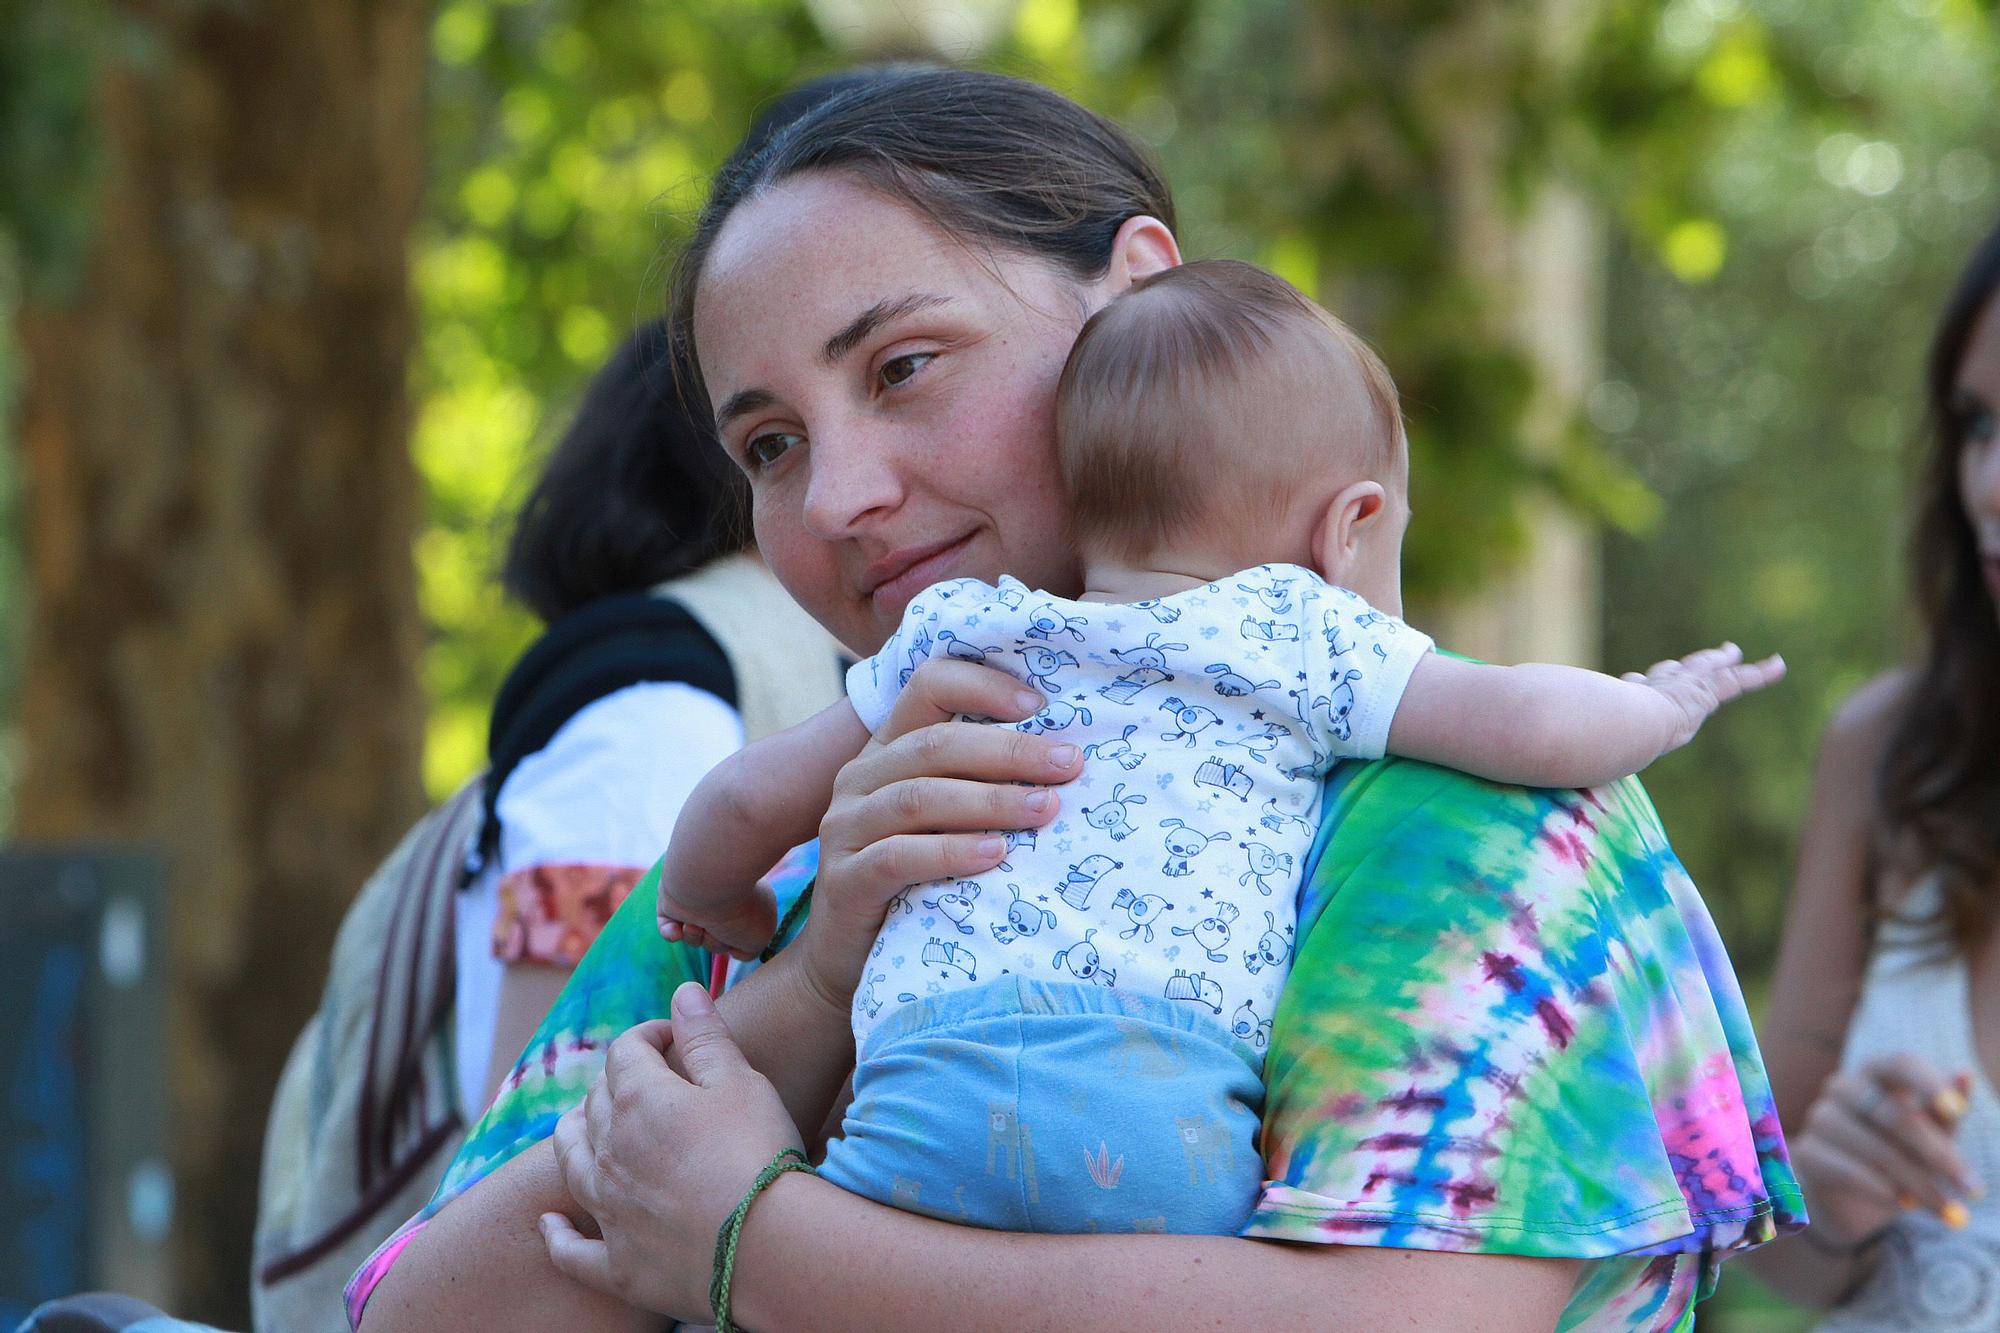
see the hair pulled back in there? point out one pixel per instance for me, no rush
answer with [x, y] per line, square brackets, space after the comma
[991, 160]
[1938, 797]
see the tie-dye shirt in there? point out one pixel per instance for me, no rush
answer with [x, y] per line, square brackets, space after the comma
[1510, 1028]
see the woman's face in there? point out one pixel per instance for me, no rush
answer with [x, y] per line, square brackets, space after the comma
[1977, 404]
[890, 393]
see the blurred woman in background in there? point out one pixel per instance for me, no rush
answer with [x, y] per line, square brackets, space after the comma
[668, 645]
[1885, 1014]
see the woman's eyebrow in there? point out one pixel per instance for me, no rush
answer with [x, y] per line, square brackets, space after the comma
[873, 318]
[749, 400]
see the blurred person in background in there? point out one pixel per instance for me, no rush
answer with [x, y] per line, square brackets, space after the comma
[1885, 1013]
[667, 645]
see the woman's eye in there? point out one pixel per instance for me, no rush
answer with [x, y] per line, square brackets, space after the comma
[1978, 426]
[899, 368]
[764, 450]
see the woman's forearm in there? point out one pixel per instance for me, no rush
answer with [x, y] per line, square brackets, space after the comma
[480, 1265]
[814, 1256]
[792, 1033]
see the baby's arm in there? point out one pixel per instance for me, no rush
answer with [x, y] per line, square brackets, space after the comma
[1555, 726]
[750, 810]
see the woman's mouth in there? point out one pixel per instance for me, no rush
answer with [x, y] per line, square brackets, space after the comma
[897, 577]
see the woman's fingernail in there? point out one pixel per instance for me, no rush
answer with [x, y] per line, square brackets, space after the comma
[692, 999]
[992, 846]
[1954, 1215]
[1038, 799]
[1029, 701]
[1062, 756]
[1950, 1105]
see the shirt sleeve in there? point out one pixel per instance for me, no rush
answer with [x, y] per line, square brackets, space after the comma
[1358, 663]
[938, 617]
[582, 818]
[1511, 1028]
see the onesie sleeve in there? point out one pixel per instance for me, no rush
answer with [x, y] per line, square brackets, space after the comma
[936, 618]
[1358, 663]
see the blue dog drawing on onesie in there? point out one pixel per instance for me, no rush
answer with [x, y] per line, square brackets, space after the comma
[956, 906]
[1082, 962]
[1042, 665]
[1231, 684]
[1118, 751]
[1024, 919]
[1115, 815]
[1189, 721]
[1183, 845]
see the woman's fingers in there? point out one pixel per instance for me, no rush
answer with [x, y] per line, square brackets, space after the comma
[940, 805]
[1919, 1108]
[945, 688]
[707, 1050]
[577, 1256]
[918, 858]
[1901, 1174]
[967, 750]
[573, 1159]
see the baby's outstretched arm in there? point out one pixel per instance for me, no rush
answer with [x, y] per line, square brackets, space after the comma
[750, 810]
[1556, 726]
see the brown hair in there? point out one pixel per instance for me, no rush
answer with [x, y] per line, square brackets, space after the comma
[1166, 379]
[1938, 790]
[989, 159]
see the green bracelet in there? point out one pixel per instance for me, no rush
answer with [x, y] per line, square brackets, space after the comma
[726, 1240]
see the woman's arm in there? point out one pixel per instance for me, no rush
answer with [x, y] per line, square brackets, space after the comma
[973, 1279]
[1537, 725]
[1863, 1143]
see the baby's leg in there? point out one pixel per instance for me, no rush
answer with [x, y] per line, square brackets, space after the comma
[1028, 1106]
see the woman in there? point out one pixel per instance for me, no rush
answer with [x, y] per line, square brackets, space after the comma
[1885, 1015]
[1515, 1085]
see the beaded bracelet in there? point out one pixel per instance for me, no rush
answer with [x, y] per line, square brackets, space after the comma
[727, 1239]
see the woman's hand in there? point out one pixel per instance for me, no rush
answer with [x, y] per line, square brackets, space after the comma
[1878, 1141]
[660, 1161]
[921, 803]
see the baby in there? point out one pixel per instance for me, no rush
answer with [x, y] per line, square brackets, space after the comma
[1072, 1041]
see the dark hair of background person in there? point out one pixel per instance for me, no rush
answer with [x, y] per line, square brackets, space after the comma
[992, 160]
[1939, 783]
[636, 491]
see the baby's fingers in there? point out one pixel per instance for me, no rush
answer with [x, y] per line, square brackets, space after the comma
[1732, 681]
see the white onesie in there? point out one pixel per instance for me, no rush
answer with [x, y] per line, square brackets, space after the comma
[1207, 720]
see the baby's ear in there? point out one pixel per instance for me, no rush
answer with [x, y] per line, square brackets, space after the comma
[1343, 527]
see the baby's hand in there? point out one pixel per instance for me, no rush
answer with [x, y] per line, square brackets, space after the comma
[740, 928]
[1700, 683]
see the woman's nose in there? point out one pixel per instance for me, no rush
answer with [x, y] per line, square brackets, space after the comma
[853, 478]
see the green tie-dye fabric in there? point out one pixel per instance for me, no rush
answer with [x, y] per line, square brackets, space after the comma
[1510, 1028]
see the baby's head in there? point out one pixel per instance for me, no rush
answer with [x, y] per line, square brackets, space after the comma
[1212, 418]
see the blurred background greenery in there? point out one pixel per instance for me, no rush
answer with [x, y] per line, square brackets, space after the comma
[1656, 280]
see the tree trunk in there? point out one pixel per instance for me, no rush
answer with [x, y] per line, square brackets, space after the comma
[219, 512]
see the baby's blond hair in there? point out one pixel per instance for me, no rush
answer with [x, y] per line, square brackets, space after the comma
[1209, 394]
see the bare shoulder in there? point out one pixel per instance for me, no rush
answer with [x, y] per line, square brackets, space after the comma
[1860, 727]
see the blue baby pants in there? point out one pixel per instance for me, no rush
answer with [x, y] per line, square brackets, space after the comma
[1036, 1106]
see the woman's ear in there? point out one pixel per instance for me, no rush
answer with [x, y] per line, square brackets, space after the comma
[1143, 246]
[1344, 526]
